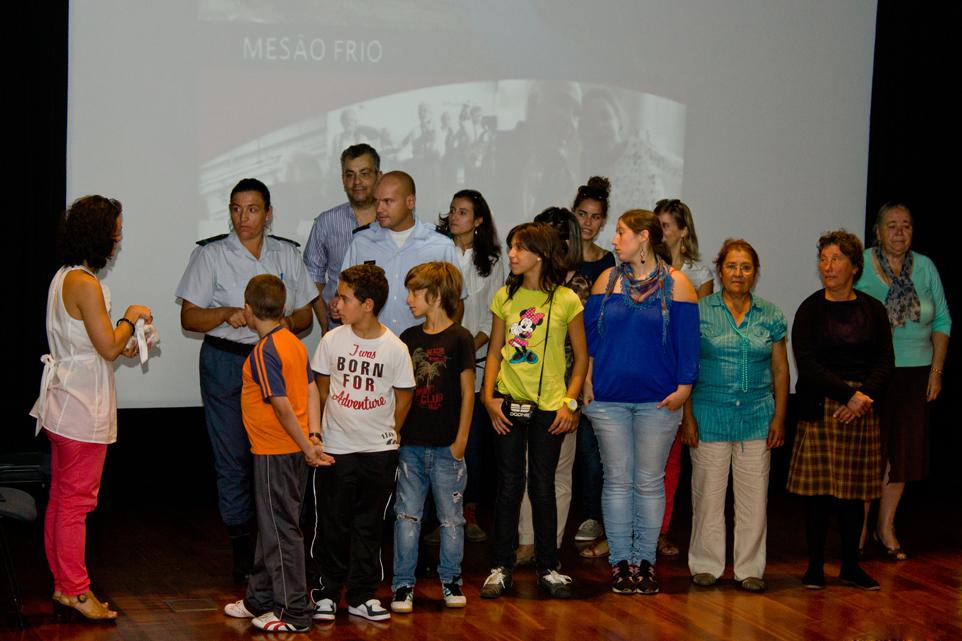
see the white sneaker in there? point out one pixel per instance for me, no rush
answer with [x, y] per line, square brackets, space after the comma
[453, 596]
[269, 622]
[324, 610]
[370, 610]
[589, 530]
[403, 600]
[238, 610]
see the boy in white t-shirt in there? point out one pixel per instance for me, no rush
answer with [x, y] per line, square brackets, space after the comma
[366, 384]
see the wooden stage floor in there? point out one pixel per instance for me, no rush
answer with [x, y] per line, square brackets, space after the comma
[164, 568]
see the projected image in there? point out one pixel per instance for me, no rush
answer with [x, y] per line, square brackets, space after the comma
[525, 144]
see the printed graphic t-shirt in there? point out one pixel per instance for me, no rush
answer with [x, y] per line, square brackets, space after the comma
[438, 361]
[525, 318]
[359, 413]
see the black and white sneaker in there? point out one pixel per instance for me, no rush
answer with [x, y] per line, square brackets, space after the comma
[453, 596]
[645, 580]
[497, 583]
[370, 610]
[403, 600]
[324, 610]
[622, 582]
[556, 585]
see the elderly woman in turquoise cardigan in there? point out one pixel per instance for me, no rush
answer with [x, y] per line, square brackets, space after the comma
[909, 285]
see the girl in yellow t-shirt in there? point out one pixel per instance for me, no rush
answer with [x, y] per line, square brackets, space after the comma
[531, 316]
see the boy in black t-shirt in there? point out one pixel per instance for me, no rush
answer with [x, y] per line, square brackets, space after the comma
[435, 432]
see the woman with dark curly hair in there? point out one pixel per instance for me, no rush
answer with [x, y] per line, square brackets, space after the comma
[470, 224]
[843, 349]
[77, 407]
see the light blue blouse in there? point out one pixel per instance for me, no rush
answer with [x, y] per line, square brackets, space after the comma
[733, 399]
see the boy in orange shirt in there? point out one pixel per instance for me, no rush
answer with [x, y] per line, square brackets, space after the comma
[280, 405]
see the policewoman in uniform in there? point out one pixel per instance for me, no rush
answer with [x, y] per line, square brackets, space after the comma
[212, 302]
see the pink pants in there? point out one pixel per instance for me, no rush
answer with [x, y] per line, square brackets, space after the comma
[672, 474]
[75, 469]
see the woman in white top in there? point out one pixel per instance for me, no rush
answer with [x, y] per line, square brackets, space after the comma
[77, 407]
[678, 228]
[470, 225]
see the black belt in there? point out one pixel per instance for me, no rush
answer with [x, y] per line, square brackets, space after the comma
[232, 347]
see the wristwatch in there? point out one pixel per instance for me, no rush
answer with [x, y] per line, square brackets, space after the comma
[571, 403]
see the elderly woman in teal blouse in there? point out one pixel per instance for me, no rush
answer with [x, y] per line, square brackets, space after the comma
[908, 284]
[736, 415]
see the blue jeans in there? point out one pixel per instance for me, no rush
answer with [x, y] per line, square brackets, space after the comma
[420, 468]
[634, 439]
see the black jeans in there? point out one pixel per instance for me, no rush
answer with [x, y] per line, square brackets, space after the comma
[543, 451]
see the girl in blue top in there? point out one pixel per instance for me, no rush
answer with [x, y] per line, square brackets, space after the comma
[642, 327]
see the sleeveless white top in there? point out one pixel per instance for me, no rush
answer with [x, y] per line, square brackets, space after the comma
[77, 399]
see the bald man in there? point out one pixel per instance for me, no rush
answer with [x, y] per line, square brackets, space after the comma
[398, 242]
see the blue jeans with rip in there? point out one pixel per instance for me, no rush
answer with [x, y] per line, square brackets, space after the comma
[634, 439]
[421, 468]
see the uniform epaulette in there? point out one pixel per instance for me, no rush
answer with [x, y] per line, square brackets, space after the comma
[212, 239]
[361, 228]
[285, 240]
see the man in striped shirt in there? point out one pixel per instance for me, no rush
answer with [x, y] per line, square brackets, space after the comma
[333, 229]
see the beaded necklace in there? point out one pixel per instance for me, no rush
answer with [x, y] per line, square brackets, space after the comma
[744, 343]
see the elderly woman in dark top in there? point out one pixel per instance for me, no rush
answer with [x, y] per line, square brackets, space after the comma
[843, 349]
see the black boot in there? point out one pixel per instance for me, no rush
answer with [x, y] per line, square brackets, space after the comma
[242, 540]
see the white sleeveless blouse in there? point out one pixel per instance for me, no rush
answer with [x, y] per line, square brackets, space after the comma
[77, 399]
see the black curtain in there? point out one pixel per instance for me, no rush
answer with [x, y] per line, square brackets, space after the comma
[915, 134]
[38, 97]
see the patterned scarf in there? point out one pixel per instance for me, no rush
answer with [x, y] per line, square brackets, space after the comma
[902, 301]
[641, 292]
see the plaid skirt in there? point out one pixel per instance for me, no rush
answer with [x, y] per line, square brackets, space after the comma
[835, 458]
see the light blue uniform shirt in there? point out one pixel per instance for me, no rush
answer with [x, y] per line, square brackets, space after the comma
[324, 252]
[218, 273]
[733, 399]
[375, 246]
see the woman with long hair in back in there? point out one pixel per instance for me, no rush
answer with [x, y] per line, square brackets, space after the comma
[590, 206]
[470, 224]
[678, 228]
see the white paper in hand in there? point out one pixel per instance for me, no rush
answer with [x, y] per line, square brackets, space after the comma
[141, 340]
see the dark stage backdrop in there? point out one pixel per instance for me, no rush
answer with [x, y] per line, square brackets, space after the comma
[915, 135]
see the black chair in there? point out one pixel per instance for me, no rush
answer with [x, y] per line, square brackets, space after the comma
[15, 505]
